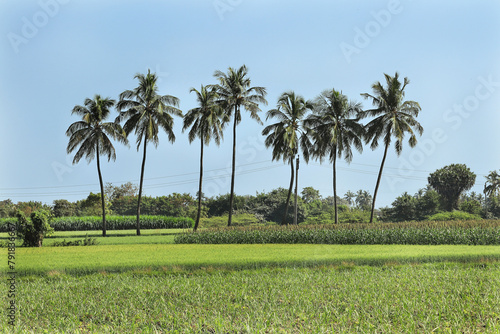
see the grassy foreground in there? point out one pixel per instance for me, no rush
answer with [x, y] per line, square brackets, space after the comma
[437, 298]
[165, 257]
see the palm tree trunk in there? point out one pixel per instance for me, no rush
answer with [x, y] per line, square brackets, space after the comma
[102, 192]
[140, 187]
[285, 216]
[197, 222]
[296, 189]
[231, 196]
[335, 186]
[378, 182]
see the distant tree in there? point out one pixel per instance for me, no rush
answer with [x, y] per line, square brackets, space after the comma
[219, 205]
[363, 199]
[271, 206]
[350, 197]
[91, 206]
[289, 135]
[31, 206]
[91, 137]
[336, 129]
[394, 117]
[404, 208]
[115, 192]
[7, 208]
[428, 203]
[63, 208]
[450, 182]
[309, 194]
[145, 112]
[492, 184]
[234, 91]
[206, 121]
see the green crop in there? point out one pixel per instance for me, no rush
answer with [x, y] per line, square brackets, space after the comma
[425, 233]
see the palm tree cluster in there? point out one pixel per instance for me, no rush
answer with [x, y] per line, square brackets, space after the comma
[326, 127]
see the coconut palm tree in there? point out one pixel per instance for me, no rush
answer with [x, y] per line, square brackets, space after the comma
[145, 112]
[91, 136]
[235, 91]
[288, 135]
[394, 117]
[492, 184]
[335, 131]
[207, 121]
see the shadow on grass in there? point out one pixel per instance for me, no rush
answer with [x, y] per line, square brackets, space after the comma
[442, 262]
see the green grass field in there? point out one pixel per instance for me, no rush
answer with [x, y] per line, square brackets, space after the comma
[118, 258]
[146, 284]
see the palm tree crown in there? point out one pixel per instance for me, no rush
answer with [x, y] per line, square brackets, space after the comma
[288, 135]
[336, 126]
[145, 112]
[235, 91]
[91, 134]
[492, 184]
[206, 121]
[91, 137]
[394, 117]
[335, 131]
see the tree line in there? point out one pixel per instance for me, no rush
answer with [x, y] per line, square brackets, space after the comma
[327, 126]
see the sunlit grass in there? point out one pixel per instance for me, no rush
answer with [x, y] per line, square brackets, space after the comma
[79, 259]
[439, 298]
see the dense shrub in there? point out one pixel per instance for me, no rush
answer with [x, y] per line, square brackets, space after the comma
[34, 228]
[453, 215]
[439, 233]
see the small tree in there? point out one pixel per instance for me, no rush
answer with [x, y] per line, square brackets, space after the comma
[33, 229]
[450, 182]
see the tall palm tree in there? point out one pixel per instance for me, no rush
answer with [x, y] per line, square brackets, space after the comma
[335, 132]
[492, 184]
[207, 122]
[393, 118]
[145, 112]
[235, 91]
[92, 135]
[288, 135]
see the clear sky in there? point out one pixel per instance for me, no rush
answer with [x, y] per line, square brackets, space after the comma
[56, 53]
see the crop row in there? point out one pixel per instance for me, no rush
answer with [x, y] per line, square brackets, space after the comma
[112, 223]
[402, 234]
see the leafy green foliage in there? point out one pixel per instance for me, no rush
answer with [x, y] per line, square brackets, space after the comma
[453, 215]
[445, 233]
[450, 182]
[32, 230]
[63, 208]
[114, 223]
[175, 205]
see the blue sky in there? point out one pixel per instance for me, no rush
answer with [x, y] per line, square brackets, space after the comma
[56, 53]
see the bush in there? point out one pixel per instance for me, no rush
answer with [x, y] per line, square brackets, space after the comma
[84, 242]
[453, 215]
[32, 230]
